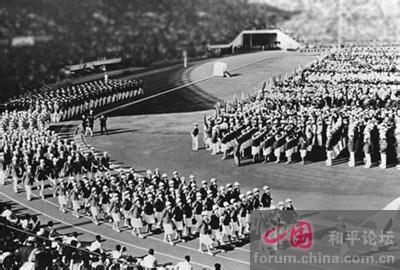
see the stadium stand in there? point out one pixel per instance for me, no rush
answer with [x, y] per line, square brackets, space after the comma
[26, 243]
[42, 38]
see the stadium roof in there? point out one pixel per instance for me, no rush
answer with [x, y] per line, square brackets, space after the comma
[285, 41]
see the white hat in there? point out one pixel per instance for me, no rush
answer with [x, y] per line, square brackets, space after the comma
[266, 188]
[31, 239]
[226, 204]
[236, 184]
[288, 200]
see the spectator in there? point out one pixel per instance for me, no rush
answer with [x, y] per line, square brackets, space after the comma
[149, 261]
[96, 246]
[184, 265]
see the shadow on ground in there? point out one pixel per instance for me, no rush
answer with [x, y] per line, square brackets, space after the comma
[187, 99]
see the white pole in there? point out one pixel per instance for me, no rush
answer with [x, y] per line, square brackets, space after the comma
[339, 23]
[184, 54]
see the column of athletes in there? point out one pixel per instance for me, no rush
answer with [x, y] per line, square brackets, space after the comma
[342, 107]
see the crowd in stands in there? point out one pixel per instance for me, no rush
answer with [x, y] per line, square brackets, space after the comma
[26, 243]
[345, 105]
[141, 33]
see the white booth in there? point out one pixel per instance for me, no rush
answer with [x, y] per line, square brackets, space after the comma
[219, 69]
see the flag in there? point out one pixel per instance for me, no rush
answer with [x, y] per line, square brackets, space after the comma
[340, 142]
[339, 147]
[264, 86]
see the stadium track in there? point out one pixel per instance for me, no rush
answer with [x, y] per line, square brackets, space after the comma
[161, 84]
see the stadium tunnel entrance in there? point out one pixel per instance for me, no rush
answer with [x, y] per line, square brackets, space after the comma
[252, 42]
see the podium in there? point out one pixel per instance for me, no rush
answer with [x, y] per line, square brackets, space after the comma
[219, 69]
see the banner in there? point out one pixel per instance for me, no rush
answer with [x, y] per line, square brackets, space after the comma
[339, 147]
[22, 41]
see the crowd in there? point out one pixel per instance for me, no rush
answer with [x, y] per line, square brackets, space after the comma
[345, 105]
[27, 244]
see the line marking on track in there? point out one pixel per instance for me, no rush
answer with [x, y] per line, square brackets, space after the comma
[152, 237]
[92, 233]
[182, 86]
[217, 255]
[157, 95]
[154, 95]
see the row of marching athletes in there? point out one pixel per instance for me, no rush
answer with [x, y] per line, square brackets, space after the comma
[70, 102]
[217, 215]
[370, 136]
